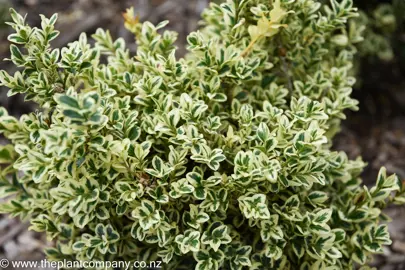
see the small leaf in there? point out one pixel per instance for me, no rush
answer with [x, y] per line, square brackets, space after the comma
[322, 216]
[68, 101]
[85, 65]
[73, 114]
[134, 133]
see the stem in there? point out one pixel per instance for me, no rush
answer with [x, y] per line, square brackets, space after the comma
[249, 47]
[286, 73]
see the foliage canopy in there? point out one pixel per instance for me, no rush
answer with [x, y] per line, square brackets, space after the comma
[219, 160]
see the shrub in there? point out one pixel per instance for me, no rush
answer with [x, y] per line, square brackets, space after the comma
[221, 159]
[379, 27]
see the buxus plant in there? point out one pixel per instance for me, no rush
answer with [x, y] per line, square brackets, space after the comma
[218, 160]
[379, 26]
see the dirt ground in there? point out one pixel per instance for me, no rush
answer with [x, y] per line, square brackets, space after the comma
[376, 132]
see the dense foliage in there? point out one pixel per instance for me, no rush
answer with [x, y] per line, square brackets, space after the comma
[220, 160]
[378, 27]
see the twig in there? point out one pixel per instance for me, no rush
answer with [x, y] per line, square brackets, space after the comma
[286, 73]
[249, 47]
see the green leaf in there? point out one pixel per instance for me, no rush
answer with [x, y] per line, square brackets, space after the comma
[322, 216]
[358, 215]
[73, 114]
[15, 38]
[16, 55]
[190, 241]
[382, 174]
[39, 174]
[317, 197]
[102, 213]
[112, 235]
[83, 65]
[134, 133]
[340, 235]
[157, 163]
[68, 101]
[217, 234]
[298, 248]
[263, 132]
[292, 203]
[218, 97]
[79, 245]
[7, 154]
[359, 256]
[81, 220]
[100, 230]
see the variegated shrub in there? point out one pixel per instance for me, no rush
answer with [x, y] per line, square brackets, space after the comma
[218, 160]
[379, 26]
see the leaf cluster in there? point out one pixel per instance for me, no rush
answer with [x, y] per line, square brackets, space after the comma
[218, 160]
